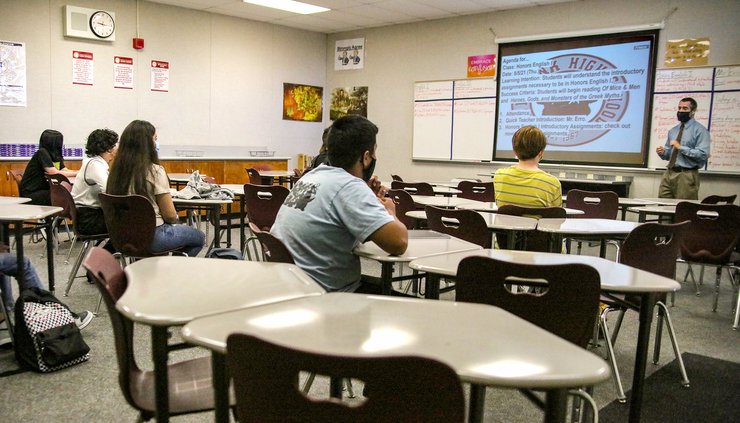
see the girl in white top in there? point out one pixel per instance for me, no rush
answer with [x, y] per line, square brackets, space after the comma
[92, 178]
[136, 170]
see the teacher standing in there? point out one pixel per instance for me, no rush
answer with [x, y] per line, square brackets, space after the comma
[687, 150]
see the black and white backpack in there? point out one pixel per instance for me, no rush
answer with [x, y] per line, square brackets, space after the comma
[46, 337]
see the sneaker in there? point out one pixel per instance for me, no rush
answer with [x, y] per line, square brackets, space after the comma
[83, 318]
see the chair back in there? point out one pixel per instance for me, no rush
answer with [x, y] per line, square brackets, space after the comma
[404, 203]
[273, 249]
[131, 222]
[108, 276]
[467, 225]
[57, 178]
[654, 247]
[719, 199]
[713, 234]
[536, 240]
[414, 188]
[479, 191]
[17, 176]
[60, 197]
[263, 203]
[396, 178]
[268, 393]
[566, 306]
[595, 204]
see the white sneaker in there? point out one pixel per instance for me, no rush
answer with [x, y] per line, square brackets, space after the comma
[83, 318]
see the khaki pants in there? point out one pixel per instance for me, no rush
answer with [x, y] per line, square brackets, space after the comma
[683, 185]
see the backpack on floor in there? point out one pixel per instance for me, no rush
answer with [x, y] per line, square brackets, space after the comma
[46, 336]
[225, 253]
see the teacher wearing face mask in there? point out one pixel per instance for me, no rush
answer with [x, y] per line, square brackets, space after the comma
[687, 150]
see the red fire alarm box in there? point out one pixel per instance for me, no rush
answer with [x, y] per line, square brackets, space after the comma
[138, 43]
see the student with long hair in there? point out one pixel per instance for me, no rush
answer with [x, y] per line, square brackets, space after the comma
[136, 170]
[47, 159]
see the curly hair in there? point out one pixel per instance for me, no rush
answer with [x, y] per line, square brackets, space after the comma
[99, 141]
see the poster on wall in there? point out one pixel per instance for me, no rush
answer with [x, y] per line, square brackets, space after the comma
[160, 80]
[303, 102]
[687, 52]
[123, 72]
[13, 74]
[82, 68]
[348, 101]
[349, 54]
[482, 66]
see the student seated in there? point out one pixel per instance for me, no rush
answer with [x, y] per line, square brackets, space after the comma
[136, 170]
[47, 159]
[333, 208]
[525, 184]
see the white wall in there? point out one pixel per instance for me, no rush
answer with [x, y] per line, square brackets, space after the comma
[226, 76]
[398, 56]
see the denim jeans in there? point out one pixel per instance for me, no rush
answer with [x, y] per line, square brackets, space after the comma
[9, 267]
[170, 237]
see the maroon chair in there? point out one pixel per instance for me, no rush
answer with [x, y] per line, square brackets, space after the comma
[273, 250]
[652, 247]
[534, 240]
[479, 191]
[137, 385]
[414, 188]
[719, 199]
[266, 392]
[396, 178]
[467, 225]
[263, 203]
[256, 179]
[404, 203]
[595, 205]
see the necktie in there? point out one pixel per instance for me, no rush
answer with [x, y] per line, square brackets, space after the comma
[674, 152]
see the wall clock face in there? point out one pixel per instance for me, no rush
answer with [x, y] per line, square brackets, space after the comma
[102, 24]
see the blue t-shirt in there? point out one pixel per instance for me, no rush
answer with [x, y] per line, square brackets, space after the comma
[326, 215]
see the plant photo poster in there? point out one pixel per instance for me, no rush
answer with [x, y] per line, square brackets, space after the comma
[348, 101]
[303, 102]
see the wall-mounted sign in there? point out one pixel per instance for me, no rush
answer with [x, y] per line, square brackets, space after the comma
[160, 80]
[82, 68]
[123, 72]
[349, 54]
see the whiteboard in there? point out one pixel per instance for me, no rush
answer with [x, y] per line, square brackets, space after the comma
[717, 91]
[454, 119]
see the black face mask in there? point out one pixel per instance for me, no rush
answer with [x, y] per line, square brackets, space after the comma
[683, 116]
[367, 173]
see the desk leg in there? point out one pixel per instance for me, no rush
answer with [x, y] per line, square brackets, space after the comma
[21, 276]
[641, 216]
[556, 405]
[49, 253]
[386, 274]
[476, 404]
[647, 304]
[217, 226]
[229, 213]
[602, 248]
[431, 286]
[220, 382]
[242, 224]
[335, 387]
[161, 382]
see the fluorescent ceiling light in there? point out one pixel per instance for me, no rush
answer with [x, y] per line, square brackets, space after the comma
[289, 6]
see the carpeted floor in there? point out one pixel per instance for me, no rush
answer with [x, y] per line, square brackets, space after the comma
[712, 397]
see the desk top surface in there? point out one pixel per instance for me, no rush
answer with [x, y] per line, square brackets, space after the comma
[586, 226]
[483, 344]
[446, 202]
[492, 207]
[173, 290]
[19, 212]
[615, 277]
[4, 200]
[422, 243]
[493, 221]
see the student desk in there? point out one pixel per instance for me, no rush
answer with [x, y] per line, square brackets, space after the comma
[439, 189]
[171, 291]
[491, 207]
[443, 202]
[615, 278]
[601, 229]
[4, 200]
[485, 345]
[422, 243]
[238, 190]
[205, 204]
[628, 203]
[16, 214]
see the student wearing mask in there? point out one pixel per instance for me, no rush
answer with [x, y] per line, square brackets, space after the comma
[47, 159]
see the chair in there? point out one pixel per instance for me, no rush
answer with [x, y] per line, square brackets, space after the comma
[479, 191]
[595, 205]
[713, 235]
[137, 385]
[413, 188]
[396, 178]
[17, 176]
[652, 247]
[256, 179]
[57, 178]
[564, 303]
[268, 393]
[273, 250]
[467, 225]
[404, 203]
[58, 199]
[535, 240]
[263, 203]
[131, 223]
[719, 199]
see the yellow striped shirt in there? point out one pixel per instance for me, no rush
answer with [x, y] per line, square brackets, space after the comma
[528, 188]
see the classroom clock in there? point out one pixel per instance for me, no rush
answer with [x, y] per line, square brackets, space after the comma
[102, 24]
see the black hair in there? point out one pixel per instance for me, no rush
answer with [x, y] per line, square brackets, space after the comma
[133, 163]
[99, 141]
[691, 101]
[52, 141]
[350, 136]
